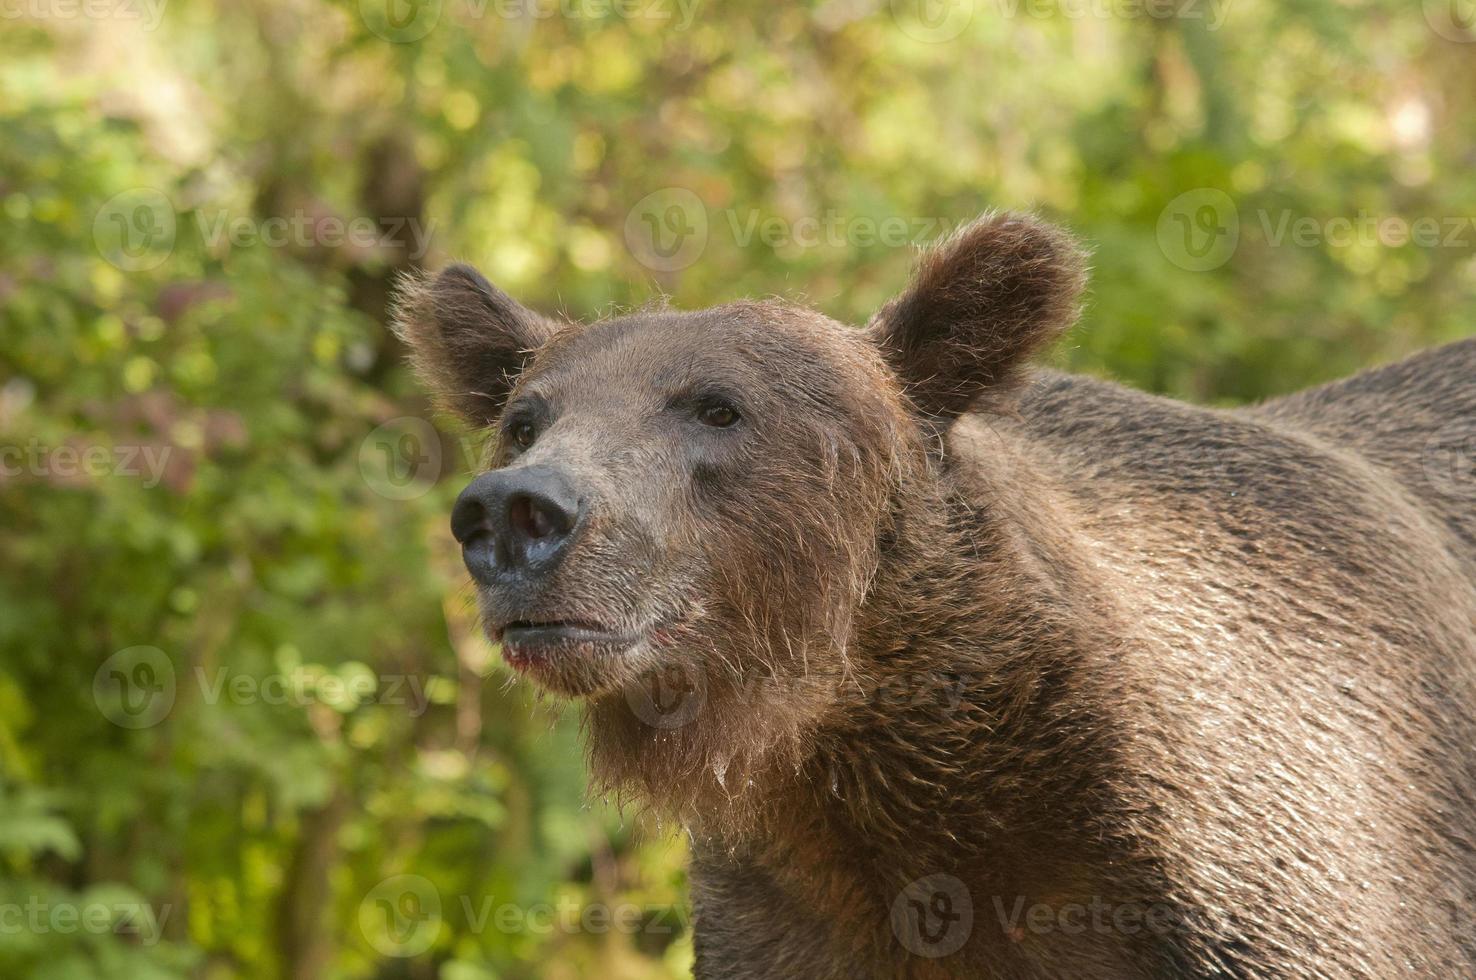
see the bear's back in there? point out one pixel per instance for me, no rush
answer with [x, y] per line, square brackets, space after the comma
[1408, 426]
[1299, 597]
[1415, 419]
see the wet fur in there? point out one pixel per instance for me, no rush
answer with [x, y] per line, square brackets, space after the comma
[1088, 645]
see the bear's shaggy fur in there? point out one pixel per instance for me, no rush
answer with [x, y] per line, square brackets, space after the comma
[956, 669]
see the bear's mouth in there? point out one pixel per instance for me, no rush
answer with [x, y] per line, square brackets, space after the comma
[529, 633]
[582, 657]
[534, 646]
[568, 657]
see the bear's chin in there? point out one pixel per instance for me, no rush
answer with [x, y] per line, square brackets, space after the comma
[577, 667]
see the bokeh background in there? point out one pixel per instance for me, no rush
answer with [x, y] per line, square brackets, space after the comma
[248, 728]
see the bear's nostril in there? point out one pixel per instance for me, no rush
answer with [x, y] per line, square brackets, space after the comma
[520, 515]
[535, 519]
[468, 518]
[480, 556]
[542, 525]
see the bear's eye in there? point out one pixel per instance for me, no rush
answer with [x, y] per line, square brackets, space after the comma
[523, 434]
[717, 415]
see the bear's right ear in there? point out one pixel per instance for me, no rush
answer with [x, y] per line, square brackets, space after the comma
[468, 339]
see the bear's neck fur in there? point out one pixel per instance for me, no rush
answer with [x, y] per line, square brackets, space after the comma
[968, 724]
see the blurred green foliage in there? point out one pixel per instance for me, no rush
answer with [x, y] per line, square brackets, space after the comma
[242, 693]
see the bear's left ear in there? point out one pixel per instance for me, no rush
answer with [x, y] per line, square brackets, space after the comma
[980, 305]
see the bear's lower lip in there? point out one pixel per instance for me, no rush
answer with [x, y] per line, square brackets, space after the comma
[523, 640]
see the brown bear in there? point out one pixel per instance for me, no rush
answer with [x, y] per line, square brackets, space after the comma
[957, 668]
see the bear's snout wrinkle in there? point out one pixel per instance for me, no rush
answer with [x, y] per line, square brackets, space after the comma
[517, 522]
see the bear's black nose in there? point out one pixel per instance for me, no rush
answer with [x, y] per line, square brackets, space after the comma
[516, 521]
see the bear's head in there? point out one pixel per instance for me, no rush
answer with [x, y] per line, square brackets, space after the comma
[688, 506]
